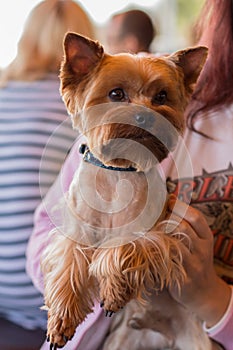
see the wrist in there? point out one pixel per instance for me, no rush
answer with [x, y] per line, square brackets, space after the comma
[223, 320]
[215, 303]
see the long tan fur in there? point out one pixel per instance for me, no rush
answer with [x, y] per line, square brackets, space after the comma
[129, 271]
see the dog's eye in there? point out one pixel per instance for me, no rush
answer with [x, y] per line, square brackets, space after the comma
[117, 95]
[160, 98]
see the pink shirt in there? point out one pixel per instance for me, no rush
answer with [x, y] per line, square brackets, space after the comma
[211, 178]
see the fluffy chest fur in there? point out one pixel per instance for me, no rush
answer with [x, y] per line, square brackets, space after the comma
[113, 206]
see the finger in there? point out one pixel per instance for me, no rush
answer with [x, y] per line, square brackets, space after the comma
[181, 230]
[193, 216]
[174, 220]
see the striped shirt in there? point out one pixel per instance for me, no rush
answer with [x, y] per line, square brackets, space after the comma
[35, 135]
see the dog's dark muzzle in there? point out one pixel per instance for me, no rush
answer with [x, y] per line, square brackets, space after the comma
[111, 121]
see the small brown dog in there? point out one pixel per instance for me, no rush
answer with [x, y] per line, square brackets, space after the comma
[112, 248]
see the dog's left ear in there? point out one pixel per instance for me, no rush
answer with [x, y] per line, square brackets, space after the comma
[191, 61]
[81, 54]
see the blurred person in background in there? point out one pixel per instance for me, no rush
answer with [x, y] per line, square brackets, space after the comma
[35, 136]
[129, 31]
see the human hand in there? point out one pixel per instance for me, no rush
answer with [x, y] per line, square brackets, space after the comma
[203, 292]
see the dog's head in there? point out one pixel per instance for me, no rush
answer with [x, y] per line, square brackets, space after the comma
[114, 98]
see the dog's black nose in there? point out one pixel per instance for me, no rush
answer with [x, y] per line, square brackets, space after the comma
[144, 119]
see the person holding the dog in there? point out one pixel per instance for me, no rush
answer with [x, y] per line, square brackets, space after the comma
[208, 137]
[208, 221]
[36, 134]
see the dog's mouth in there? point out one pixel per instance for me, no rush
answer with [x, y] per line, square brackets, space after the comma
[124, 135]
[130, 150]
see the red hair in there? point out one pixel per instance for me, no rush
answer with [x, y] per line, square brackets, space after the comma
[215, 84]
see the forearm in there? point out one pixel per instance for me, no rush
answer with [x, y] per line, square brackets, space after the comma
[36, 245]
[212, 302]
[222, 331]
[45, 219]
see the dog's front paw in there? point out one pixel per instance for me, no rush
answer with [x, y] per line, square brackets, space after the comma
[114, 297]
[111, 303]
[59, 331]
[110, 307]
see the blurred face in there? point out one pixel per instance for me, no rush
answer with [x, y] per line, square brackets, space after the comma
[115, 42]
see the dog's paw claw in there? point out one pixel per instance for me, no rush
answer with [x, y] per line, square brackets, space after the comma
[109, 313]
[55, 346]
[110, 308]
[52, 346]
[65, 338]
[59, 332]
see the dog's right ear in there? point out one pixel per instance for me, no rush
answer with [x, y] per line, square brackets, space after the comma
[81, 54]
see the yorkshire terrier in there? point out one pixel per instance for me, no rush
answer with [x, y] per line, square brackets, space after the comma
[112, 246]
